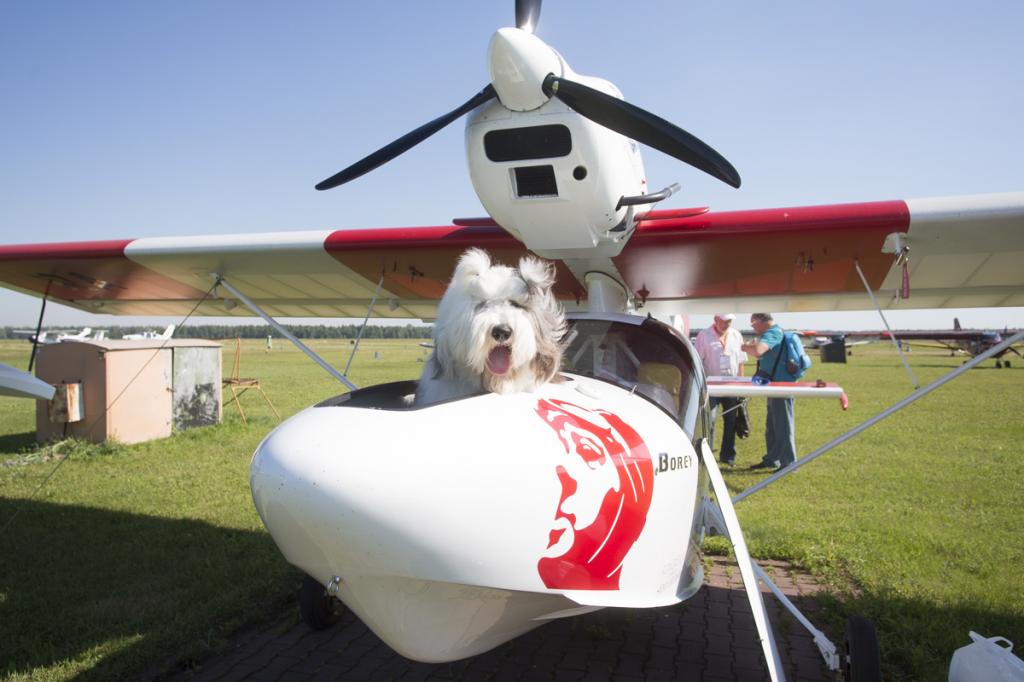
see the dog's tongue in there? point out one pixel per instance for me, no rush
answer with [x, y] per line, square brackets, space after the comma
[498, 360]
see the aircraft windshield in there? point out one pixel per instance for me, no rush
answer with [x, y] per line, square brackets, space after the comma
[646, 357]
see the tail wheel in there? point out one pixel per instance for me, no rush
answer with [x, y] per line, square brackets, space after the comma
[319, 610]
[863, 657]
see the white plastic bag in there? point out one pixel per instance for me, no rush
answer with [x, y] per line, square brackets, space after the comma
[986, 660]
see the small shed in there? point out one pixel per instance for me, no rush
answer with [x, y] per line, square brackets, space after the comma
[128, 391]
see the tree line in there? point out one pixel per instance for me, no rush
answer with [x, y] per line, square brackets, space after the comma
[253, 331]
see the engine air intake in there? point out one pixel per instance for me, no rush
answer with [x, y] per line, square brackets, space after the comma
[523, 144]
[536, 181]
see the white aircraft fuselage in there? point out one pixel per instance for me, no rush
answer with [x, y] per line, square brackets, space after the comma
[453, 528]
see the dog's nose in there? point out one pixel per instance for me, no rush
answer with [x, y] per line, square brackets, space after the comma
[501, 333]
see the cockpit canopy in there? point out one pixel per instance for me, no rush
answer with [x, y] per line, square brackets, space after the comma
[639, 354]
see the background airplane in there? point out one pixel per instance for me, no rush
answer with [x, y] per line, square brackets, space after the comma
[165, 334]
[817, 339]
[48, 337]
[971, 342]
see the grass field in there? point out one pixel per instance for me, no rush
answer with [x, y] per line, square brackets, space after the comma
[133, 559]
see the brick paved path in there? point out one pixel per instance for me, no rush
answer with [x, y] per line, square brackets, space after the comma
[710, 637]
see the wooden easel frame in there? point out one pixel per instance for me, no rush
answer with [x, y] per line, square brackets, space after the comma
[238, 386]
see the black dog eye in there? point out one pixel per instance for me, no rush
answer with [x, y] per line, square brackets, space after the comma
[517, 304]
[481, 305]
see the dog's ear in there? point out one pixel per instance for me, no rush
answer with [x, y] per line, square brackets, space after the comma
[538, 275]
[545, 367]
[473, 263]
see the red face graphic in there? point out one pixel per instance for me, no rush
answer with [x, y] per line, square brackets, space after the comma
[607, 480]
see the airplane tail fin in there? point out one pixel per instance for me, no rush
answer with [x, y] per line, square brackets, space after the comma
[956, 323]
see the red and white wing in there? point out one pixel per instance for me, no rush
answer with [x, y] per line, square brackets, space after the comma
[289, 274]
[963, 251]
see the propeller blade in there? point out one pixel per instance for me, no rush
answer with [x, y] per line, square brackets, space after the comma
[405, 143]
[642, 126]
[527, 14]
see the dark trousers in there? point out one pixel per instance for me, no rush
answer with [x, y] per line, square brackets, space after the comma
[728, 450]
[779, 433]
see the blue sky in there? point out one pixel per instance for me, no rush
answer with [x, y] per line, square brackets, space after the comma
[129, 119]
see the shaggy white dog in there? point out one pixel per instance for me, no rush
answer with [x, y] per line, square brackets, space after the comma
[498, 329]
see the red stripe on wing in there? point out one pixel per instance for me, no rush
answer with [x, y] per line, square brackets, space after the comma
[805, 250]
[418, 262]
[87, 271]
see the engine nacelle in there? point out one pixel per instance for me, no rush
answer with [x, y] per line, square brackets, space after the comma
[553, 178]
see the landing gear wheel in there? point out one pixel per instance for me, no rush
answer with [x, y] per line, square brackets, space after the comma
[862, 662]
[319, 610]
[999, 365]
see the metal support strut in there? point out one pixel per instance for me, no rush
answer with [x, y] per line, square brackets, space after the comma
[366, 319]
[725, 518]
[824, 644]
[284, 332]
[39, 328]
[715, 518]
[895, 341]
[919, 393]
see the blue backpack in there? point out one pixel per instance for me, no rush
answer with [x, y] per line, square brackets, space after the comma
[791, 361]
[797, 360]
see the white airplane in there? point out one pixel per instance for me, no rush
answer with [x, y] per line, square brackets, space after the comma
[453, 528]
[80, 336]
[151, 335]
[43, 338]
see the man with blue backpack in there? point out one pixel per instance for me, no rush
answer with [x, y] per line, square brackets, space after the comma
[781, 357]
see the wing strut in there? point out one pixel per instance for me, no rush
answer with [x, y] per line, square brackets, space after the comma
[726, 516]
[39, 328]
[919, 393]
[895, 342]
[825, 645]
[715, 519]
[366, 319]
[284, 332]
